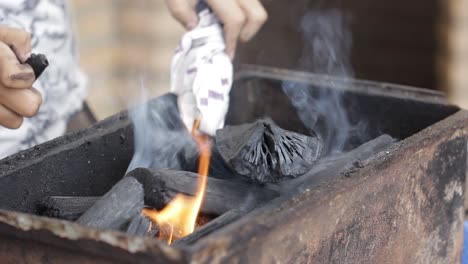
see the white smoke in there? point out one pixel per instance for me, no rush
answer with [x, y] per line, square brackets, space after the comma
[159, 136]
[327, 46]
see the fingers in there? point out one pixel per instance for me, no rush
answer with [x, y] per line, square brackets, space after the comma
[256, 16]
[12, 73]
[184, 12]
[19, 41]
[17, 98]
[9, 119]
[242, 19]
[24, 102]
[233, 18]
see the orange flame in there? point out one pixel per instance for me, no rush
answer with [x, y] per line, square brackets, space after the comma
[179, 217]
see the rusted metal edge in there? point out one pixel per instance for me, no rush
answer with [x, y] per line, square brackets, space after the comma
[225, 245]
[246, 71]
[71, 236]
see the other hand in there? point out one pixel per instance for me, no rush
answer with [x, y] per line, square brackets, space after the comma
[242, 19]
[17, 97]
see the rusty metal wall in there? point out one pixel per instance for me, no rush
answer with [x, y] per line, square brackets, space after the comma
[16, 251]
[28, 238]
[406, 206]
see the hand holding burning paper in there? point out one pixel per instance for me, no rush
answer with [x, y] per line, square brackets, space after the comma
[201, 75]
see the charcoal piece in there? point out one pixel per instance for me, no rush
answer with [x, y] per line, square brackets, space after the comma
[210, 227]
[38, 63]
[337, 166]
[218, 167]
[296, 152]
[116, 207]
[264, 152]
[66, 207]
[221, 196]
[140, 225]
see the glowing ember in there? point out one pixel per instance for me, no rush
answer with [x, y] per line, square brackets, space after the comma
[179, 217]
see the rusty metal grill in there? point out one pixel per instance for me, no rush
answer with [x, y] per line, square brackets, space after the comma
[404, 205]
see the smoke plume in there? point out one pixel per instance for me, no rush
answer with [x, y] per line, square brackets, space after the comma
[161, 141]
[327, 46]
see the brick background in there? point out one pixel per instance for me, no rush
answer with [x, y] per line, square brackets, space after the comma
[119, 42]
[453, 50]
[421, 43]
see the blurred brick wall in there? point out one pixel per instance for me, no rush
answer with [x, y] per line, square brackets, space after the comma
[422, 43]
[119, 42]
[453, 54]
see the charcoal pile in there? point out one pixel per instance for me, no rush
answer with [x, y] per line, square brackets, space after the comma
[251, 164]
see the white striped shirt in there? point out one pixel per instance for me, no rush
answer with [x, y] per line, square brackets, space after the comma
[62, 84]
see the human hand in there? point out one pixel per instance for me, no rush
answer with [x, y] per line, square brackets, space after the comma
[242, 19]
[201, 76]
[18, 99]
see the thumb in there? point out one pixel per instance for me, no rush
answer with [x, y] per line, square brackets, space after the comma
[18, 40]
[184, 12]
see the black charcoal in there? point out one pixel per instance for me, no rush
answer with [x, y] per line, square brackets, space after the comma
[66, 207]
[140, 226]
[38, 62]
[337, 166]
[264, 152]
[221, 196]
[116, 207]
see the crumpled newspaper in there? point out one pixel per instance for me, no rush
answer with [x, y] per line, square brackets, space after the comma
[202, 74]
